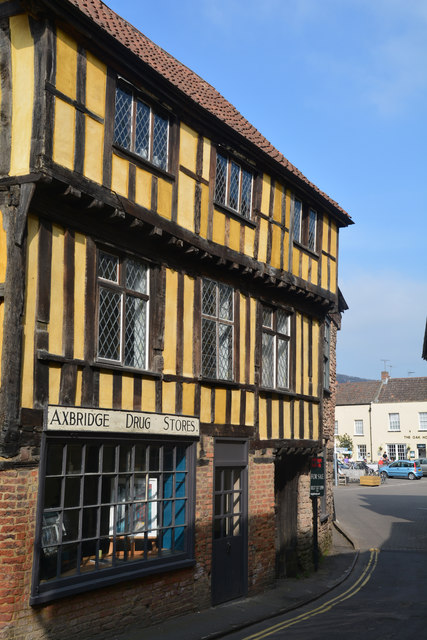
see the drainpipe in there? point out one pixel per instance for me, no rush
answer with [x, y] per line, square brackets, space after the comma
[370, 428]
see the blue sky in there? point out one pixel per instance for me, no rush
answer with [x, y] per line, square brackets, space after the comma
[340, 88]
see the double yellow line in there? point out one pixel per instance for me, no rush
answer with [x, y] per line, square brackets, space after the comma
[360, 582]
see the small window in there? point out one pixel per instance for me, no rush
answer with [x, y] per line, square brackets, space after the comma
[122, 310]
[275, 348]
[358, 427]
[423, 420]
[139, 129]
[394, 421]
[312, 227]
[336, 428]
[361, 451]
[217, 330]
[297, 220]
[304, 225]
[233, 186]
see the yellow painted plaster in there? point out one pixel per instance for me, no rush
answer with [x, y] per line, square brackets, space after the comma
[277, 209]
[188, 147]
[220, 405]
[252, 345]
[186, 194]
[22, 57]
[288, 208]
[315, 338]
[120, 176]
[287, 419]
[64, 134]
[275, 407]
[1, 332]
[250, 409]
[66, 64]
[265, 199]
[205, 404]
[333, 269]
[324, 279]
[206, 158]
[325, 234]
[276, 246]
[148, 395]
[57, 291]
[168, 397]
[127, 392]
[96, 80]
[295, 261]
[204, 211]
[235, 406]
[169, 353]
[305, 331]
[249, 242]
[106, 389]
[218, 232]
[27, 388]
[304, 266]
[242, 362]
[262, 245]
[262, 418]
[143, 188]
[188, 327]
[188, 396]
[94, 145]
[79, 386]
[164, 198]
[334, 239]
[298, 363]
[234, 236]
[79, 294]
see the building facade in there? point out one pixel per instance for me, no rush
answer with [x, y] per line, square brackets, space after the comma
[169, 308]
[387, 416]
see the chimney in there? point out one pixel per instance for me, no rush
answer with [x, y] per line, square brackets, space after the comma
[385, 376]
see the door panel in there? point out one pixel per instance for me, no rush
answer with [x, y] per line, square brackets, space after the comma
[229, 550]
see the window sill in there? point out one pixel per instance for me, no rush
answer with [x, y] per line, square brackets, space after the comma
[313, 253]
[134, 157]
[219, 382]
[234, 214]
[393, 431]
[99, 364]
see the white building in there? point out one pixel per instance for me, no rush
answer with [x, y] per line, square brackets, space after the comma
[386, 416]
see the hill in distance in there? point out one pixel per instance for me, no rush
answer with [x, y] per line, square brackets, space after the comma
[343, 378]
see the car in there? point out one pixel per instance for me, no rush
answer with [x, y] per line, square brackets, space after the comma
[423, 464]
[410, 469]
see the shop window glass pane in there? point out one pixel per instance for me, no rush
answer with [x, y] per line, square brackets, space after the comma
[74, 459]
[168, 458]
[168, 485]
[54, 459]
[125, 457]
[154, 458]
[69, 557]
[180, 485]
[109, 458]
[72, 492]
[71, 524]
[92, 459]
[91, 490]
[180, 511]
[89, 526]
[52, 496]
[179, 539]
[140, 458]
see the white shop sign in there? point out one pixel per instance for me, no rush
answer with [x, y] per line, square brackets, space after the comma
[113, 421]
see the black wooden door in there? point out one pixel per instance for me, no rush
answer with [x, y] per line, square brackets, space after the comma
[229, 551]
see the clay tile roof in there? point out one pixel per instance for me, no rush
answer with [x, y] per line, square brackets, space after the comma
[404, 390]
[362, 392]
[188, 82]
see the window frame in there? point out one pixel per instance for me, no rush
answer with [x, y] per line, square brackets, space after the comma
[136, 98]
[305, 221]
[119, 287]
[422, 420]
[225, 200]
[277, 335]
[358, 427]
[394, 421]
[81, 581]
[219, 321]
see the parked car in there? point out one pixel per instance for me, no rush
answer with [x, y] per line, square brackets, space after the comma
[410, 469]
[423, 464]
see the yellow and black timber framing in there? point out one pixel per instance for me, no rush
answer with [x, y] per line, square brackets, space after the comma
[68, 190]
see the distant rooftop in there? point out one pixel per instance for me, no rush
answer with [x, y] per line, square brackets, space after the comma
[382, 391]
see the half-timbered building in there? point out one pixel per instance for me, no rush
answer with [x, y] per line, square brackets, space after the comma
[168, 306]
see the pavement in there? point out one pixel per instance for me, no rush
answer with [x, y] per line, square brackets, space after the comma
[286, 595]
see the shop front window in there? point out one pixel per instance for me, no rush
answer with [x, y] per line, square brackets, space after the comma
[110, 508]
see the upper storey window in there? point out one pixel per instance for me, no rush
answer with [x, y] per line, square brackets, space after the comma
[305, 225]
[138, 129]
[122, 310]
[217, 330]
[233, 186]
[275, 348]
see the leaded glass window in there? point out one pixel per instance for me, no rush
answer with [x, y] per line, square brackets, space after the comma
[217, 330]
[297, 219]
[233, 186]
[312, 226]
[138, 129]
[275, 348]
[394, 421]
[122, 310]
